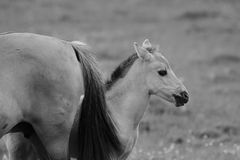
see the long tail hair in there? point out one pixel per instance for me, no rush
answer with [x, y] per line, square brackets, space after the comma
[98, 136]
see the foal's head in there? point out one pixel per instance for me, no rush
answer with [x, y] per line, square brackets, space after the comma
[160, 79]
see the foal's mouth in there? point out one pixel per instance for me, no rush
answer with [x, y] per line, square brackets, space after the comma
[181, 99]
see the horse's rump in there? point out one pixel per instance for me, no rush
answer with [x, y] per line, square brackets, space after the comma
[40, 83]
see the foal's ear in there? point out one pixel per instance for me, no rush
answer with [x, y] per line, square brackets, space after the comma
[142, 52]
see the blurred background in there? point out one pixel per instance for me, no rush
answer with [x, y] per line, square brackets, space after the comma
[200, 38]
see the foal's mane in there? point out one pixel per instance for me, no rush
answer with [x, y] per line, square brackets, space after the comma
[121, 71]
[98, 137]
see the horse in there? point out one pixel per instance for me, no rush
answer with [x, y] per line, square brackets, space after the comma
[41, 81]
[129, 88]
[145, 73]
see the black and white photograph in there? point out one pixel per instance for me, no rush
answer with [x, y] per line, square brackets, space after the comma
[119, 79]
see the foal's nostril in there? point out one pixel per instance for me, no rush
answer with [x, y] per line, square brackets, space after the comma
[184, 96]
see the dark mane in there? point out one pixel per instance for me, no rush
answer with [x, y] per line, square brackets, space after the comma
[121, 71]
[97, 135]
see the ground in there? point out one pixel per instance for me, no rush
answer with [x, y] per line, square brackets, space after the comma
[201, 40]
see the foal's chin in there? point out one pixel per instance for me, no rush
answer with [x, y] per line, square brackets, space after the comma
[172, 100]
[179, 104]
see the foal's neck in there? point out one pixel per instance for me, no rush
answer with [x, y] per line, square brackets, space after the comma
[128, 100]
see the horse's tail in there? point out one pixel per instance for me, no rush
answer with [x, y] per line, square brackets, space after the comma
[98, 136]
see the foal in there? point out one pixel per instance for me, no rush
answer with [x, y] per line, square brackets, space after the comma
[132, 83]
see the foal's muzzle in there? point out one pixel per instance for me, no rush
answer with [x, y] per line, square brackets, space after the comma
[181, 99]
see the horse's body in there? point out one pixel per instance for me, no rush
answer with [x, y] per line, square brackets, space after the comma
[127, 95]
[40, 83]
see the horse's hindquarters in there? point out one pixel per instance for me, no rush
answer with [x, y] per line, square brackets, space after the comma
[40, 83]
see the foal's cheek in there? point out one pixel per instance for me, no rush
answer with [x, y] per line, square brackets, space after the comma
[154, 85]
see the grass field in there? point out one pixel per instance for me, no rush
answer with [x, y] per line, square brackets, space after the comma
[199, 37]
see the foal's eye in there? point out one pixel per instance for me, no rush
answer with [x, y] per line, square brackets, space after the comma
[162, 72]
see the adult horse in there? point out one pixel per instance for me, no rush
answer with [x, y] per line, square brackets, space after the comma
[145, 73]
[41, 81]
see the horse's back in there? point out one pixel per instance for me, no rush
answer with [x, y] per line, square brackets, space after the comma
[40, 82]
